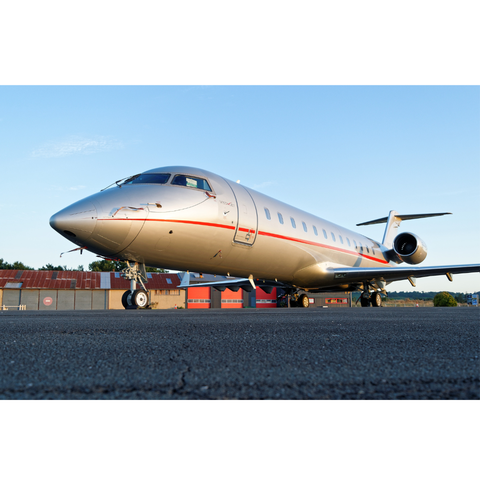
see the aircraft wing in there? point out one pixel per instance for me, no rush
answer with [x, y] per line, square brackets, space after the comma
[246, 284]
[352, 275]
[342, 276]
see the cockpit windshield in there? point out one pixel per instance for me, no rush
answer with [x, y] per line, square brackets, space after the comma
[192, 182]
[161, 178]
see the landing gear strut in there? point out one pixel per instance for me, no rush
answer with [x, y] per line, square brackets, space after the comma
[135, 298]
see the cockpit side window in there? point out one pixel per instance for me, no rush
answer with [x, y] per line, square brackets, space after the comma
[161, 178]
[192, 182]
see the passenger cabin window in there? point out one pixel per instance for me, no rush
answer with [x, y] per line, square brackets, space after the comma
[192, 182]
[294, 225]
[348, 241]
[280, 218]
[267, 213]
[304, 226]
[315, 230]
[325, 233]
[333, 236]
[361, 247]
[160, 178]
[368, 251]
[355, 243]
[341, 239]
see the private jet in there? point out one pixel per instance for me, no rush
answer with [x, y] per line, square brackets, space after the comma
[189, 219]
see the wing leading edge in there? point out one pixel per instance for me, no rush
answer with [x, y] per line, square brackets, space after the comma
[353, 275]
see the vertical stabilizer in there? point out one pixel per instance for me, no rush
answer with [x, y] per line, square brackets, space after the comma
[391, 229]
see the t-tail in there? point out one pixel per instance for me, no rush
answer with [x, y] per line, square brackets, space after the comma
[404, 247]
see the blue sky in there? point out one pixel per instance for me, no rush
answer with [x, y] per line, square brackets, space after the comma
[347, 154]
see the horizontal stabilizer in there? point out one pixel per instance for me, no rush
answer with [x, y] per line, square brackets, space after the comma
[403, 217]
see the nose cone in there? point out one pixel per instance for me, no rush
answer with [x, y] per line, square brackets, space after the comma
[76, 222]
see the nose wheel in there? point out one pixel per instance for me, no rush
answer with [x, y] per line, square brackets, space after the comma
[135, 298]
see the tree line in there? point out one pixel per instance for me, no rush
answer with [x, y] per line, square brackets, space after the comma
[421, 296]
[97, 266]
[459, 297]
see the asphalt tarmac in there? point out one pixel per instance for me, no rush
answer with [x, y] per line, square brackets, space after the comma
[385, 353]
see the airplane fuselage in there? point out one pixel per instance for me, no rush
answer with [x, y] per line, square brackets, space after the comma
[225, 229]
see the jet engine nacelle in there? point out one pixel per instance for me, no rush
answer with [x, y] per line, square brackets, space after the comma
[409, 248]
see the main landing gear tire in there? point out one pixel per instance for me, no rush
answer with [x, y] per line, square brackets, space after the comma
[376, 299]
[364, 301]
[136, 299]
[303, 301]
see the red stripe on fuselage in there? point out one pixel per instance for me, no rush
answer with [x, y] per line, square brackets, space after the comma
[329, 247]
[265, 234]
[188, 222]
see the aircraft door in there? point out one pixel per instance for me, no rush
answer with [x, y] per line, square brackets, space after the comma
[247, 218]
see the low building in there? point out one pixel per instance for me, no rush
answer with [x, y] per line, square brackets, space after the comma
[71, 290]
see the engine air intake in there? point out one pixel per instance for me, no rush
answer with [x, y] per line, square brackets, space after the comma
[410, 248]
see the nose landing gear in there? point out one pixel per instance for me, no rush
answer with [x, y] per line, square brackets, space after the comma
[135, 298]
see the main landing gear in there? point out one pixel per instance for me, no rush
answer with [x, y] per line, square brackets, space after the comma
[135, 298]
[300, 301]
[368, 299]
